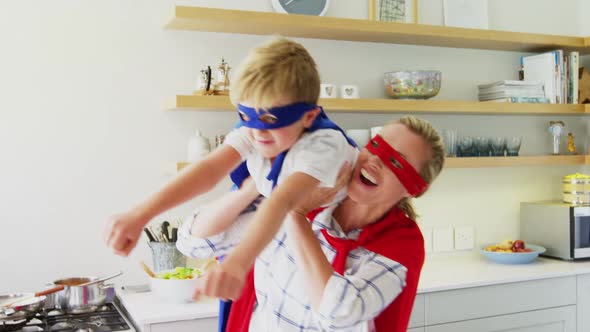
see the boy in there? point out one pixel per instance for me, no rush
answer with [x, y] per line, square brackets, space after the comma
[276, 90]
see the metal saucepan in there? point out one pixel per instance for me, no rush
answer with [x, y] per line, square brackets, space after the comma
[79, 298]
[15, 317]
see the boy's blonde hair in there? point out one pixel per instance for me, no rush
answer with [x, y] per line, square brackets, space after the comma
[435, 161]
[279, 68]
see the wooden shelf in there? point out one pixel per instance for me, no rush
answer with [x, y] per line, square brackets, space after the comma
[478, 162]
[268, 23]
[483, 162]
[222, 103]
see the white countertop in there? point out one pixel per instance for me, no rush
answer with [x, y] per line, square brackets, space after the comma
[464, 270]
[440, 273]
[146, 308]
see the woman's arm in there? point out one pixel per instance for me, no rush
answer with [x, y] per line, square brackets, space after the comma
[215, 245]
[315, 268]
[217, 216]
[269, 218]
[339, 301]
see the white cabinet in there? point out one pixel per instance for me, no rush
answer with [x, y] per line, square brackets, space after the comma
[545, 305]
[562, 319]
[417, 317]
[479, 302]
[194, 325]
[583, 303]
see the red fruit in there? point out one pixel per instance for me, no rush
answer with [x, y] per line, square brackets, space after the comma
[518, 244]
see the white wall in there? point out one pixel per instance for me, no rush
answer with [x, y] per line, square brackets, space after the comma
[83, 132]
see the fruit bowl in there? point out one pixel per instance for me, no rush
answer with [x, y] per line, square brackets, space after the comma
[514, 257]
[420, 84]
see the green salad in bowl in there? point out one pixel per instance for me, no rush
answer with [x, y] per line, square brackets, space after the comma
[180, 273]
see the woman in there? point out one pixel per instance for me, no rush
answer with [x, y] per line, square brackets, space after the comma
[353, 269]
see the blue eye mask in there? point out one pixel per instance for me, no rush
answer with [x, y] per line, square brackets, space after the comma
[285, 116]
[273, 118]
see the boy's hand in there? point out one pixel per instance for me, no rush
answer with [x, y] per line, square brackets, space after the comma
[223, 281]
[123, 231]
[321, 196]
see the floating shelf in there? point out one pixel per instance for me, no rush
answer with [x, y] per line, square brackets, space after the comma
[268, 23]
[482, 162]
[222, 103]
[478, 162]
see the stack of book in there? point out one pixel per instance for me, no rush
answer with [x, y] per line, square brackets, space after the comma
[513, 92]
[558, 72]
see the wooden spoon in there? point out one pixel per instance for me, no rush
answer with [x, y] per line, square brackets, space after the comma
[148, 270]
[206, 265]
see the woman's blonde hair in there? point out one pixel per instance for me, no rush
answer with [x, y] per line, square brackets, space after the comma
[279, 68]
[436, 157]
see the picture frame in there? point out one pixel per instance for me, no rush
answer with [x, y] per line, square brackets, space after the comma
[401, 11]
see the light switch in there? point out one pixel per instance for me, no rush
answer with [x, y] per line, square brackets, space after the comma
[442, 239]
[464, 237]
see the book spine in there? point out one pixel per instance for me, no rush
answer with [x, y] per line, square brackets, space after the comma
[574, 68]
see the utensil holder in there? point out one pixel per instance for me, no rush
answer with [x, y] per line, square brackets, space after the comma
[166, 256]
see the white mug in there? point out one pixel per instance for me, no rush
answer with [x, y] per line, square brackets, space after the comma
[360, 136]
[328, 90]
[349, 91]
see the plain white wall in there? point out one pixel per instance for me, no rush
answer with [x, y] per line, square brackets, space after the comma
[84, 133]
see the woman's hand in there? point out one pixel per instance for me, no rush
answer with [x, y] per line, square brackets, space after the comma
[321, 196]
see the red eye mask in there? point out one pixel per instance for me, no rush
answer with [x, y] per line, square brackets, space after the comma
[406, 174]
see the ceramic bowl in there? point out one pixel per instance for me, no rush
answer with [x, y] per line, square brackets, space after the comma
[174, 290]
[421, 84]
[514, 257]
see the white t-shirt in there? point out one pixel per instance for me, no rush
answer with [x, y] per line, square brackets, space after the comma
[320, 154]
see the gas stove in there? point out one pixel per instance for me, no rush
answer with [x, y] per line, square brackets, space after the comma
[107, 318]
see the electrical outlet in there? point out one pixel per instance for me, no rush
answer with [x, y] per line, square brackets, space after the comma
[464, 237]
[427, 235]
[442, 239]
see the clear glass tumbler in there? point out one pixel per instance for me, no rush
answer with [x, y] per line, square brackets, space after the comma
[498, 146]
[450, 140]
[513, 145]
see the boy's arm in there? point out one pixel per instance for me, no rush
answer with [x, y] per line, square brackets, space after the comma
[123, 231]
[226, 280]
[269, 217]
[217, 216]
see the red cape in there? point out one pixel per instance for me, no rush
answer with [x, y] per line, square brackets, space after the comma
[396, 237]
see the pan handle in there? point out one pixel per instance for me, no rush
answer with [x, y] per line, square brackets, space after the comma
[50, 290]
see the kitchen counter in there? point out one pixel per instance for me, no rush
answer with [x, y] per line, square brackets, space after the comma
[464, 270]
[440, 273]
[146, 308]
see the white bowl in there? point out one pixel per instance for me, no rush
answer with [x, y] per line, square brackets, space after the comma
[174, 290]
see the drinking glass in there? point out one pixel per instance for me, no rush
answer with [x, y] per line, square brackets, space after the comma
[513, 145]
[498, 146]
[482, 145]
[450, 140]
[467, 147]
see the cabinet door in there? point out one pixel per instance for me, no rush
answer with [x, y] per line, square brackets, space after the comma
[562, 319]
[584, 302]
[496, 300]
[417, 318]
[206, 324]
